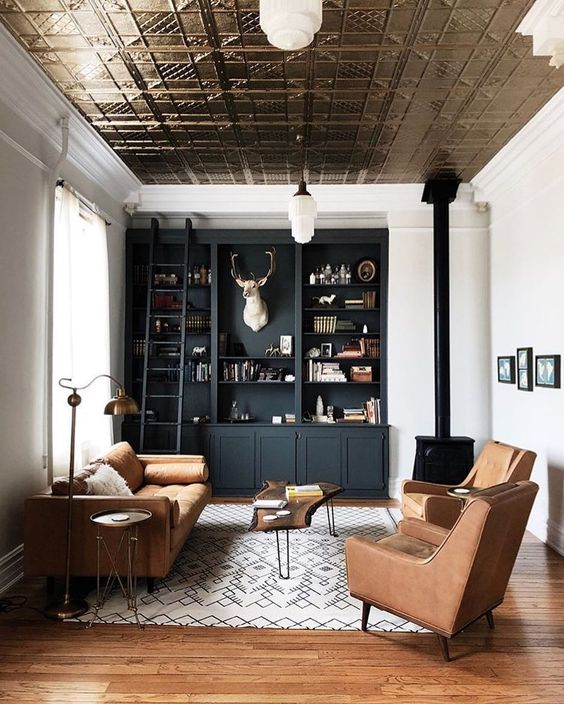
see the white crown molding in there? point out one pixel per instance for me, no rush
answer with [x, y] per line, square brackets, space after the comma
[355, 202]
[537, 141]
[545, 23]
[26, 90]
[11, 568]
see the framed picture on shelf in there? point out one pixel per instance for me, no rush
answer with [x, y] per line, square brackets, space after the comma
[366, 270]
[286, 345]
[506, 370]
[547, 371]
[525, 368]
[326, 349]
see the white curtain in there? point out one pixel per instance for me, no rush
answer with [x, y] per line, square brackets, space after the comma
[81, 330]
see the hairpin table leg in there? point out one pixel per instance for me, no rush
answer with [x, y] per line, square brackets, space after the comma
[331, 518]
[287, 575]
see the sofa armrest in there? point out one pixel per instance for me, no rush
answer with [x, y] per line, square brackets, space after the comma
[416, 528]
[442, 510]
[47, 515]
[412, 486]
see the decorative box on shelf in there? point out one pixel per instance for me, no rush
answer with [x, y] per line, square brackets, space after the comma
[361, 374]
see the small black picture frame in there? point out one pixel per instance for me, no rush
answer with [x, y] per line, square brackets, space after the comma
[547, 371]
[326, 349]
[525, 368]
[506, 370]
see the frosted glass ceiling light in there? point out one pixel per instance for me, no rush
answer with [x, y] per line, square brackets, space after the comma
[290, 24]
[302, 213]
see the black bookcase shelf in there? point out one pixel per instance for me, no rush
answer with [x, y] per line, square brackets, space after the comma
[242, 455]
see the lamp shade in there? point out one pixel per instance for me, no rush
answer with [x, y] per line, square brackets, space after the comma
[121, 404]
[302, 213]
[290, 24]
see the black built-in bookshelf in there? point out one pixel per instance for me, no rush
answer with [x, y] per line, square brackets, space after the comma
[234, 366]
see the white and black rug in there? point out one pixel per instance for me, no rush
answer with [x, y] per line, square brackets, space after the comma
[228, 576]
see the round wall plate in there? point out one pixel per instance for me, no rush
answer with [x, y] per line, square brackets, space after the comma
[366, 270]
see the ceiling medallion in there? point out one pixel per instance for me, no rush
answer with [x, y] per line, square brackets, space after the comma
[302, 213]
[290, 24]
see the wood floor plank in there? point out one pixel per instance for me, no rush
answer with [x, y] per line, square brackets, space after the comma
[520, 662]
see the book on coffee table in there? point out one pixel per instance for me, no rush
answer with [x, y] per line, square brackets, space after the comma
[269, 503]
[294, 491]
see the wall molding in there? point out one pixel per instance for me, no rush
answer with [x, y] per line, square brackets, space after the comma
[28, 92]
[535, 143]
[555, 536]
[11, 568]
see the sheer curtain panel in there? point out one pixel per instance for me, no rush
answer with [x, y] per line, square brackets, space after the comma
[81, 330]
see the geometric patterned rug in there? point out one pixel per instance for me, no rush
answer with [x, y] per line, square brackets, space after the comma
[227, 576]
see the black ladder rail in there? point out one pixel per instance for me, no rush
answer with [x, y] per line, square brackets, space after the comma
[151, 344]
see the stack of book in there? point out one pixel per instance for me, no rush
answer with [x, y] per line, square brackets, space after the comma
[354, 303]
[352, 415]
[294, 491]
[324, 372]
[369, 299]
[166, 301]
[345, 326]
[289, 417]
[372, 410]
[352, 350]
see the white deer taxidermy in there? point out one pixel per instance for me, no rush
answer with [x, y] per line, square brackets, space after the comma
[255, 314]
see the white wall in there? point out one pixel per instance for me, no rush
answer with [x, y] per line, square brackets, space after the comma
[524, 185]
[28, 148]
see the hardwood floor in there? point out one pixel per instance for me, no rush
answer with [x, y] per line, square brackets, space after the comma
[521, 661]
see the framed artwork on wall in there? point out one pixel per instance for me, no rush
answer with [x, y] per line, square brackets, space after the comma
[547, 371]
[525, 368]
[506, 370]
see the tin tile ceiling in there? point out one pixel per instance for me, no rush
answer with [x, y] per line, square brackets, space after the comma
[391, 91]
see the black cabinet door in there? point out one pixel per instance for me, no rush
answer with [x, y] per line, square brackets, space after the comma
[276, 455]
[319, 454]
[364, 458]
[233, 461]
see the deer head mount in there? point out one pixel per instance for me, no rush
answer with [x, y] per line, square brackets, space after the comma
[255, 314]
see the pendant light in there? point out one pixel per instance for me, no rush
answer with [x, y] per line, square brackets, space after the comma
[302, 213]
[290, 24]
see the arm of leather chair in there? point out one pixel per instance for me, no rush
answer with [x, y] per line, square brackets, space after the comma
[412, 486]
[442, 510]
[416, 528]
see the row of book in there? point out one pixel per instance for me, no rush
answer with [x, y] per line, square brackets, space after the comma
[324, 372]
[327, 324]
[367, 300]
[364, 347]
[250, 370]
[198, 323]
[199, 372]
[369, 413]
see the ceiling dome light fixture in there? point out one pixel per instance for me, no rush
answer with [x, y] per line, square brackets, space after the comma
[290, 24]
[302, 213]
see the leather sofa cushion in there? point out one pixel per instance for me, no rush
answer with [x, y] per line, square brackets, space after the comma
[124, 460]
[183, 498]
[176, 473]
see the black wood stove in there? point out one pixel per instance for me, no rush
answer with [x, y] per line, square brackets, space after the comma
[442, 458]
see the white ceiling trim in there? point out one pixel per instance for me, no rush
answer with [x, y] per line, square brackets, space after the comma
[26, 90]
[545, 23]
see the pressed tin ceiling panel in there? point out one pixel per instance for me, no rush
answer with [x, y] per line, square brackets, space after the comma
[391, 91]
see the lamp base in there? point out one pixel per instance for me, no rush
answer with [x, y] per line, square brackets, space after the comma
[71, 608]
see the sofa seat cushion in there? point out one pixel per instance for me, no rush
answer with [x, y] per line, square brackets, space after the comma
[408, 545]
[124, 460]
[413, 504]
[176, 473]
[186, 499]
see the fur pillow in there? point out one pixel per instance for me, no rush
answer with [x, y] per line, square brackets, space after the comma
[107, 482]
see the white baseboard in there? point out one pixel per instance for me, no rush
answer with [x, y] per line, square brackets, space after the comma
[555, 536]
[11, 568]
[395, 487]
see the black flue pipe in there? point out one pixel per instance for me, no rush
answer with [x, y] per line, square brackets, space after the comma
[441, 193]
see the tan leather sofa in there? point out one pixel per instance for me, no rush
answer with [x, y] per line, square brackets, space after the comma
[497, 463]
[158, 485]
[444, 579]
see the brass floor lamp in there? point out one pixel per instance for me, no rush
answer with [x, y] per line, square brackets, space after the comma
[121, 404]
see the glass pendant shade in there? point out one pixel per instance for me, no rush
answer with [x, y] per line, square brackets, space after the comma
[302, 213]
[290, 24]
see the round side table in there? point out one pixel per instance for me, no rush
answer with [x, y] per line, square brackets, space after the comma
[463, 492]
[128, 521]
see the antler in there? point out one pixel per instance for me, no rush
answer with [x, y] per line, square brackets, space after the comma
[234, 270]
[272, 254]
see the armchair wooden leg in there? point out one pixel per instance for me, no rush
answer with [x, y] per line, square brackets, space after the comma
[443, 642]
[489, 616]
[365, 614]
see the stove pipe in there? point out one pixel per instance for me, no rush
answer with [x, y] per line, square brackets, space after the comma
[441, 193]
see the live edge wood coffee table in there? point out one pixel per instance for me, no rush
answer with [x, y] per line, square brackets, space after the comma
[301, 511]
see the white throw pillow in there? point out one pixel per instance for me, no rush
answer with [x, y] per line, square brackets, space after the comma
[107, 482]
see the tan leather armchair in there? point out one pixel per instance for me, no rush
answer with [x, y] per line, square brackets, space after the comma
[496, 464]
[440, 579]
